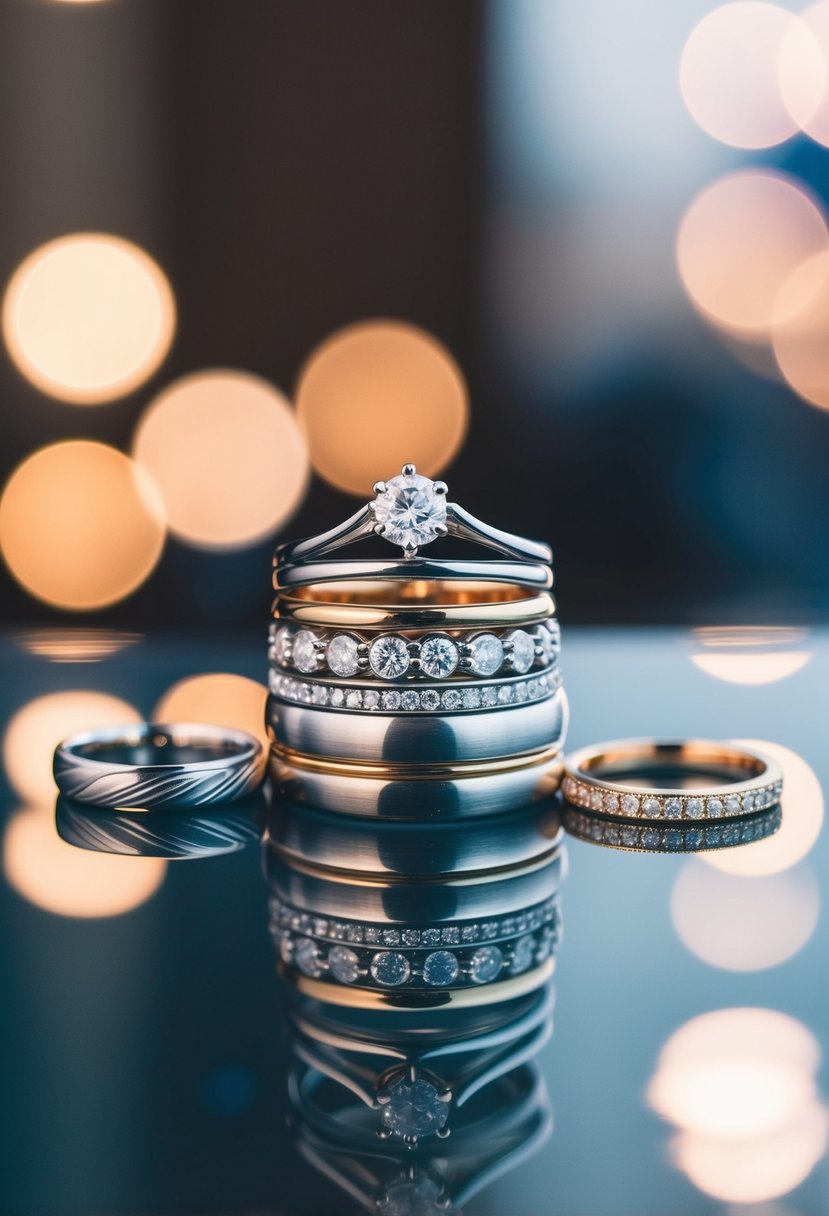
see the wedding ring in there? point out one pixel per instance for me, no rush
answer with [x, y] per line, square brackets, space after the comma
[684, 779]
[417, 604]
[414, 741]
[149, 765]
[418, 1000]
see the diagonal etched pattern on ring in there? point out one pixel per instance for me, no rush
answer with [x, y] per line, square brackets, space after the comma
[191, 785]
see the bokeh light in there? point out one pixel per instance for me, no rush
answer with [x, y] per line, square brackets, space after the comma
[745, 1032]
[800, 336]
[377, 395]
[802, 819]
[81, 526]
[749, 654]
[88, 317]
[75, 645]
[731, 1097]
[744, 924]
[228, 455]
[35, 731]
[805, 89]
[740, 241]
[66, 881]
[730, 72]
[221, 698]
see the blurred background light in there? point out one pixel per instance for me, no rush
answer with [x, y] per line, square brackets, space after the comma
[229, 458]
[750, 655]
[75, 645]
[800, 335]
[739, 242]
[34, 732]
[221, 698]
[744, 924]
[61, 879]
[744, 1032]
[729, 72]
[88, 317]
[805, 90]
[81, 525]
[377, 395]
[802, 820]
[731, 1097]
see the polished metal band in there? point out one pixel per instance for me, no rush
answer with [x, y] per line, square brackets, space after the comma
[679, 838]
[428, 739]
[685, 779]
[306, 574]
[150, 765]
[383, 605]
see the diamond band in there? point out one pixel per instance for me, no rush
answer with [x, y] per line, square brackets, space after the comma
[675, 806]
[454, 699]
[682, 838]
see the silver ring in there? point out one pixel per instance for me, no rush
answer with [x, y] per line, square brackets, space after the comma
[181, 765]
[428, 739]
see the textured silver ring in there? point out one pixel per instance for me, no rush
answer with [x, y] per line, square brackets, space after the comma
[181, 765]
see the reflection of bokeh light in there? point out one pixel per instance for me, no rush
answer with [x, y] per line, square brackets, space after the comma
[800, 337]
[758, 1167]
[730, 1097]
[228, 455]
[73, 882]
[750, 654]
[217, 697]
[729, 72]
[81, 526]
[804, 89]
[740, 240]
[742, 1033]
[377, 395]
[744, 924]
[35, 731]
[75, 645]
[88, 317]
[802, 804]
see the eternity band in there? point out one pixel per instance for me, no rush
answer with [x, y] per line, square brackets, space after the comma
[149, 765]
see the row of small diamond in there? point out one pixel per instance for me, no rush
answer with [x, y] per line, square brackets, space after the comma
[398, 968]
[283, 916]
[410, 700]
[673, 806]
[672, 840]
[436, 656]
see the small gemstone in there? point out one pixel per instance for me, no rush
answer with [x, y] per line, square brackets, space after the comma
[343, 964]
[451, 699]
[354, 699]
[430, 699]
[673, 808]
[391, 937]
[522, 655]
[336, 698]
[390, 700]
[611, 803]
[354, 933]
[414, 1109]
[630, 804]
[596, 800]
[440, 968]
[508, 926]
[438, 656]
[280, 649]
[748, 802]
[306, 693]
[389, 657]
[545, 645]
[430, 937]
[410, 699]
[731, 834]
[319, 694]
[522, 954]
[612, 833]
[732, 804]
[308, 957]
[673, 839]
[489, 697]
[485, 965]
[371, 699]
[390, 968]
[535, 688]
[305, 651]
[714, 807]
[629, 836]
[372, 935]
[338, 930]
[521, 691]
[505, 694]
[693, 838]
[486, 654]
[693, 808]
[411, 511]
[651, 808]
[320, 926]
[651, 838]
[342, 655]
[489, 929]
[713, 835]
[471, 698]
[450, 936]
[411, 937]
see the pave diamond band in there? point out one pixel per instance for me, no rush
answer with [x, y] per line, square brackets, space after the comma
[454, 699]
[678, 838]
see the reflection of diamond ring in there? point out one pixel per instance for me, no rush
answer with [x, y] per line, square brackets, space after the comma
[411, 511]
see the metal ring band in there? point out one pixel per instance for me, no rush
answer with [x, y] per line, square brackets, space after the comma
[679, 838]
[626, 779]
[429, 739]
[306, 574]
[380, 605]
[423, 798]
[181, 765]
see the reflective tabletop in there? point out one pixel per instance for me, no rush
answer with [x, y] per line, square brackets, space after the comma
[156, 1056]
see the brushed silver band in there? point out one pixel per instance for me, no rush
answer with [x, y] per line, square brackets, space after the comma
[181, 765]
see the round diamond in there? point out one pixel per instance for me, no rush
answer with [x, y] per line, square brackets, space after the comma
[651, 838]
[389, 657]
[693, 808]
[732, 804]
[414, 1109]
[522, 656]
[319, 694]
[544, 640]
[390, 968]
[452, 699]
[354, 699]
[486, 654]
[630, 804]
[748, 802]
[280, 649]
[410, 699]
[505, 695]
[489, 697]
[438, 656]
[611, 803]
[411, 511]
[371, 699]
[440, 968]
[714, 807]
[344, 964]
[307, 957]
[651, 808]
[429, 698]
[390, 700]
[596, 800]
[522, 954]
[471, 698]
[673, 808]
[337, 698]
[305, 651]
[485, 964]
[342, 654]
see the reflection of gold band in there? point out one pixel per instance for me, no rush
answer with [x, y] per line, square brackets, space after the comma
[401, 1001]
[417, 605]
